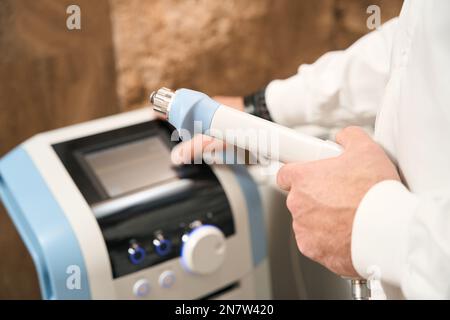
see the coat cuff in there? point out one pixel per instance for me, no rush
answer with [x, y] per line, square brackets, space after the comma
[380, 231]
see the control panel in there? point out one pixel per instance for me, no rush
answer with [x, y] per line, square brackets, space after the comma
[152, 233]
[148, 211]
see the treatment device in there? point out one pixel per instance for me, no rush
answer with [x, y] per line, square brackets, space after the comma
[105, 215]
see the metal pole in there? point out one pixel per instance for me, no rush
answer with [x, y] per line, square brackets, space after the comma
[360, 289]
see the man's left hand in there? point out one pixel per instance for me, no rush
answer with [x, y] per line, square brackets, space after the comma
[324, 195]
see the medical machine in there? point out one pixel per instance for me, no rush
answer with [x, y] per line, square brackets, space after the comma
[192, 112]
[105, 215]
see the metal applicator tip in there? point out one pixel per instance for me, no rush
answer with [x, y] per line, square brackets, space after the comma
[152, 97]
[161, 100]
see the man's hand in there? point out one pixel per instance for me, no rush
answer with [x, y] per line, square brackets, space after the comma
[324, 195]
[187, 151]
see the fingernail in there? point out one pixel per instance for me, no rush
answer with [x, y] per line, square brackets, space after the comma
[177, 156]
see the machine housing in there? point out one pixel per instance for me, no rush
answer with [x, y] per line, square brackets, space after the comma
[98, 228]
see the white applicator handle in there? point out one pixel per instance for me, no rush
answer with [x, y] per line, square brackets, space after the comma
[269, 139]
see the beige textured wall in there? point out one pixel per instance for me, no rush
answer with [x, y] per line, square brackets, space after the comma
[227, 47]
[49, 77]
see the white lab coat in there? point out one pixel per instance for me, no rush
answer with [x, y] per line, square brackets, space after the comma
[399, 74]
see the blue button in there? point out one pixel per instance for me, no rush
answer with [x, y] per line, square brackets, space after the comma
[162, 246]
[136, 254]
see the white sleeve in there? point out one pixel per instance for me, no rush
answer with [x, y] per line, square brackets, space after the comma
[341, 88]
[405, 239]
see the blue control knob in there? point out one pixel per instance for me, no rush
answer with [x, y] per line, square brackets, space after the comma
[162, 246]
[136, 254]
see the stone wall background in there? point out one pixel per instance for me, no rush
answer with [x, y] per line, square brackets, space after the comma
[49, 77]
[227, 47]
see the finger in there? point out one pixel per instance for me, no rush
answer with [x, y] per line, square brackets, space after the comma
[186, 152]
[284, 177]
[230, 101]
[189, 150]
[159, 115]
[351, 135]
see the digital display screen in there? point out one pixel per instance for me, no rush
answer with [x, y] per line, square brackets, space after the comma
[132, 166]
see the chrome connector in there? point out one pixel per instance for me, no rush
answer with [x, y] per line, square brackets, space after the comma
[161, 100]
[360, 289]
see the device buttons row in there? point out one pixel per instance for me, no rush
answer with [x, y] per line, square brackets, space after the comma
[142, 288]
[137, 253]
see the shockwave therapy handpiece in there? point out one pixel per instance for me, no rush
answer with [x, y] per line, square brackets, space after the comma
[193, 111]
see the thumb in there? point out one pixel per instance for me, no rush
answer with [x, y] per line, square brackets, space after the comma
[285, 176]
[352, 136]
